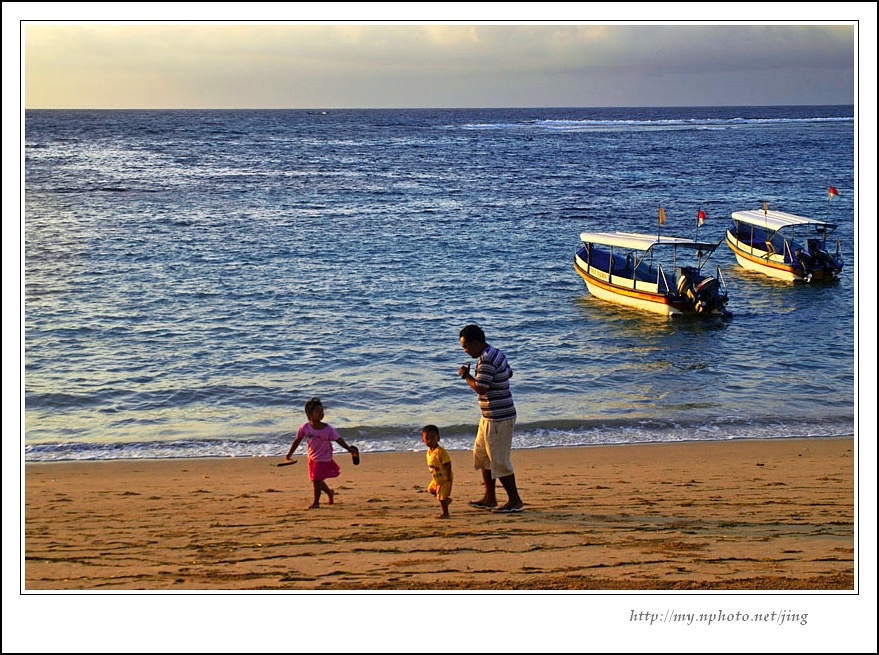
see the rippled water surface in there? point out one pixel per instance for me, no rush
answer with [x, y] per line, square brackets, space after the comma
[193, 277]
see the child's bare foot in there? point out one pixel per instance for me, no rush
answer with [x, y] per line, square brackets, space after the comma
[315, 506]
[443, 516]
[331, 495]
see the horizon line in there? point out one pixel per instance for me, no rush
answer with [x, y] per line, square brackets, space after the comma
[328, 108]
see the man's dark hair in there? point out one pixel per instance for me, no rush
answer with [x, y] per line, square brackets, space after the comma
[472, 333]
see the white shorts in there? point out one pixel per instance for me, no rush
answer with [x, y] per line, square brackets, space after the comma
[491, 451]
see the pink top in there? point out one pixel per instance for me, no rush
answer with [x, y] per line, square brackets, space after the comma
[320, 442]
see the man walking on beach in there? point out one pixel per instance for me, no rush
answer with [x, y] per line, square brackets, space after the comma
[494, 439]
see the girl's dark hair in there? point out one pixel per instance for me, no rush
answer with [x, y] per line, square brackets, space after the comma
[311, 404]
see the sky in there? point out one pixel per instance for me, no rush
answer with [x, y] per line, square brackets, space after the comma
[151, 65]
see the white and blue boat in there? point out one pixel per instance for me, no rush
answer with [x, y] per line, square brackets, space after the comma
[784, 246]
[660, 274]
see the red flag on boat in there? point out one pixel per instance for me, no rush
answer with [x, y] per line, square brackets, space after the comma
[832, 192]
[661, 216]
[701, 218]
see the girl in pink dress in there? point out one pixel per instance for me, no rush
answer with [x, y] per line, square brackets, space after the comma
[320, 437]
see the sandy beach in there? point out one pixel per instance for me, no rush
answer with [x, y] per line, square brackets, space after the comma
[743, 515]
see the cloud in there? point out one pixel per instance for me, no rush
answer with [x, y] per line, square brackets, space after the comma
[250, 65]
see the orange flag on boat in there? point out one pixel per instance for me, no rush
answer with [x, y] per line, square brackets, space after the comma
[701, 218]
[832, 192]
[661, 216]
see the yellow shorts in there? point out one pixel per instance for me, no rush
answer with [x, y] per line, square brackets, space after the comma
[441, 491]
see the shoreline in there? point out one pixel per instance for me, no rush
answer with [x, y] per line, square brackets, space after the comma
[744, 514]
[847, 435]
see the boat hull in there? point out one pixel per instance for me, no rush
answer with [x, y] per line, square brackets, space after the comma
[772, 264]
[761, 261]
[632, 293]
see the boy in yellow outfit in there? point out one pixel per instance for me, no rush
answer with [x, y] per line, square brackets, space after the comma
[440, 465]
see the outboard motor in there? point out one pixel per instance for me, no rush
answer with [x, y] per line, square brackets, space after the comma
[685, 284]
[807, 261]
[703, 291]
[822, 259]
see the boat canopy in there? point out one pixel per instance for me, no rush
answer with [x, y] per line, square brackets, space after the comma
[775, 220]
[638, 241]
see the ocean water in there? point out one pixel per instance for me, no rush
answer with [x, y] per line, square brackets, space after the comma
[193, 277]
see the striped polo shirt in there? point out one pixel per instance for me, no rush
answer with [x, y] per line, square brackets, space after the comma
[493, 373]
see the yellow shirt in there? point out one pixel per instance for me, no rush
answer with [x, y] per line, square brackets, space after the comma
[436, 460]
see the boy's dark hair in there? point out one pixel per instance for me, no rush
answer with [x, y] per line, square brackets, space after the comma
[472, 333]
[311, 404]
[431, 429]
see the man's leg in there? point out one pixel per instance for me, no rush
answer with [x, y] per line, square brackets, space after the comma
[489, 499]
[482, 461]
[515, 502]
